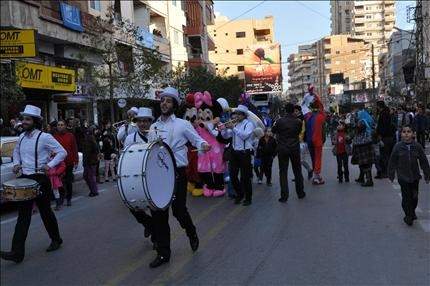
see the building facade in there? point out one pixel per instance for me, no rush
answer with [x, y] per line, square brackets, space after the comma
[341, 17]
[199, 14]
[233, 39]
[62, 30]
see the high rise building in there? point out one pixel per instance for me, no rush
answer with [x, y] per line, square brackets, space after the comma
[372, 21]
[341, 17]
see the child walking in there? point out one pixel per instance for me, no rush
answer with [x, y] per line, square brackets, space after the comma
[404, 161]
[55, 174]
[341, 149]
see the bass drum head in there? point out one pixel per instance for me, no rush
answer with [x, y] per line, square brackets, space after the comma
[160, 175]
[20, 183]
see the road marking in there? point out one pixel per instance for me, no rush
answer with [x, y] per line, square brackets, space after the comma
[167, 275]
[9, 220]
[130, 268]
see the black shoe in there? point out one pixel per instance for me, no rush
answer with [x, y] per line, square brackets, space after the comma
[340, 181]
[11, 256]
[367, 184]
[158, 261]
[360, 180]
[269, 184]
[246, 203]
[310, 174]
[54, 245]
[283, 200]
[378, 176]
[147, 232]
[347, 180]
[237, 200]
[69, 203]
[408, 220]
[93, 194]
[414, 217]
[302, 196]
[194, 242]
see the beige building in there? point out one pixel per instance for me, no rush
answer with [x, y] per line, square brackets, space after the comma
[340, 54]
[341, 17]
[232, 41]
[301, 71]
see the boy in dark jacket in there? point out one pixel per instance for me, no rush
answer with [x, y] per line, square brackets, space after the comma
[266, 151]
[404, 161]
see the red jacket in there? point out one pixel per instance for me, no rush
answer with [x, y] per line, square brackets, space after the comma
[68, 141]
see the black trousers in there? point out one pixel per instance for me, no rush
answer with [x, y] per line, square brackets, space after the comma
[284, 158]
[213, 181]
[143, 218]
[241, 163]
[342, 166]
[409, 197]
[421, 138]
[160, 218]
[68, 183]
[266, 168]
[25, 209]
[386, 153]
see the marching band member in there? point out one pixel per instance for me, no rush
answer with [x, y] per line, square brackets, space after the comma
[144, 120]
[30, 155]
[242, 134]
[177, 132]
[128, 127]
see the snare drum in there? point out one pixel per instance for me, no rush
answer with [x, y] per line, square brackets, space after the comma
[146, 176]
[20, 190]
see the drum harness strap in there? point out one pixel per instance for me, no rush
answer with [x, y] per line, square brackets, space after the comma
[35, 151]
[141, 136]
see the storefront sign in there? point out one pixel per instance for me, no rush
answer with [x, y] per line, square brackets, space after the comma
[17, 43]
[71, 17]
[45, 77]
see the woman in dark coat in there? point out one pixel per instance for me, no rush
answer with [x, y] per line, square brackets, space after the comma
[363, 154]
[90, 150]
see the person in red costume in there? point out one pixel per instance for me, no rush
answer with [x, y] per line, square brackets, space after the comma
[315, 137]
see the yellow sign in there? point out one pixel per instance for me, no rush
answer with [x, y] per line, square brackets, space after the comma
[17, 43]
[45, 77]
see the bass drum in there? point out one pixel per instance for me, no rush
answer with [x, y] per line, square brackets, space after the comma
[146, 176]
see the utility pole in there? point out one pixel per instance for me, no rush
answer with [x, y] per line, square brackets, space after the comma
[373, 73]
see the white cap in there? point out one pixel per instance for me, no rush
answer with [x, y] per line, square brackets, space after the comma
[224, 103]
[33, 111]
[171, 92]
[242, 108]
[144, 112]
[133, 109]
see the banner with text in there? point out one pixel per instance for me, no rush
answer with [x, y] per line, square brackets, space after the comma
[45, 77]
[15, 43]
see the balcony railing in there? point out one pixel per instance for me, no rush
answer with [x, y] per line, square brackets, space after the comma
[163, 46]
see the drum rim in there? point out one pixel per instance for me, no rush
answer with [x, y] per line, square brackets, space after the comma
[35, 184]
[169, 150]
[119, 182]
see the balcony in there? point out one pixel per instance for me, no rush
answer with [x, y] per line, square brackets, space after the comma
[163, 47]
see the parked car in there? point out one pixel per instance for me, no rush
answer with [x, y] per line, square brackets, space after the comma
[7, 145]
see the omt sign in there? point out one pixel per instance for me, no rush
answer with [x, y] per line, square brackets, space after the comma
[17, 43]
[45, 77]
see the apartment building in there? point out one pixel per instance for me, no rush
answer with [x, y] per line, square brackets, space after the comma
[234, 39]
[372, 21]
[341, 17]
[61, 44]
[343, 58]
[301, 71]
[199, 14]
[426, 18]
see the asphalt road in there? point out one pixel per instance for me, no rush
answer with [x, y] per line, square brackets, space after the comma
[340, 234]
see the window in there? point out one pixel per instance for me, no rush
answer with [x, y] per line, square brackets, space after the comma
[216, 52]
[368, 16]
[226, 34]
[176, 37]
[240, 35]
[214, 35]
[240, 68]
[174, 2]
[239, 51]
[227, 51]
[95, 4]
[368, 34]
[337, 52]
[354, 51]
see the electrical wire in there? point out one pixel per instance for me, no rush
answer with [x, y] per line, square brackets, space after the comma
[247, 11]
